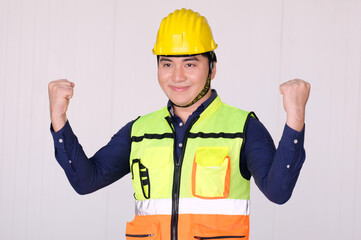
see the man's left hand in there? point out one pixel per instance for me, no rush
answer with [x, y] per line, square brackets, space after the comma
[295, 95]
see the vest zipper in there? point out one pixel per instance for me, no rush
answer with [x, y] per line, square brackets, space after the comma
[176, 178]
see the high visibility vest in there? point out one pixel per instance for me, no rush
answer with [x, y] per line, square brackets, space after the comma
[202, 195]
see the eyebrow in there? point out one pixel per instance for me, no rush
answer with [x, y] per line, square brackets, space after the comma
[164, 59]
[190, 59]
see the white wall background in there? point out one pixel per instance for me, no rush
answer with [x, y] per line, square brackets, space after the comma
[104, 46]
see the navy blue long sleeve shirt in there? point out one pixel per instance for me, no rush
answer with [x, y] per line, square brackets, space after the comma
[275, 171]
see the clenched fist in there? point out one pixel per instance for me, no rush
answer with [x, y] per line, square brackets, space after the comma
[60, 92]
[295, 95]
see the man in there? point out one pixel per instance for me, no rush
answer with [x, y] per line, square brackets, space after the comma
[191, 161]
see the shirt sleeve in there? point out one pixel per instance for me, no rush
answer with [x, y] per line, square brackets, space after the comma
[85, 174]
[275, 171]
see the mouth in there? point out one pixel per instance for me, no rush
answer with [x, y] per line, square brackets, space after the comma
[179, 89]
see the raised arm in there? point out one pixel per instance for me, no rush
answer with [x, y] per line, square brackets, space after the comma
[276, 171]
[85, 174]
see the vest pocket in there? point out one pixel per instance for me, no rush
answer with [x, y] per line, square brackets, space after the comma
[137, 230]
[220, 237]
[143, 177]
[202, 232]
[211, 172]
[139, 235]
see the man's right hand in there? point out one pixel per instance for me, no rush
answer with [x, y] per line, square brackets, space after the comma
[60, 92]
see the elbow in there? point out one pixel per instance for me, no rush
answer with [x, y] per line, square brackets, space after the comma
[280, 200]
[80, 185]
[280, 192]
[81, 189]
[279, 197]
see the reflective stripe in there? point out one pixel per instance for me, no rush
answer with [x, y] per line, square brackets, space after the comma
[194, 206]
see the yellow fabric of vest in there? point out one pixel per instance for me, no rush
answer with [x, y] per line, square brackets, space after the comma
[201, 196]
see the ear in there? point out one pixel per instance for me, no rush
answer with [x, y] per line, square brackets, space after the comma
[214, 70]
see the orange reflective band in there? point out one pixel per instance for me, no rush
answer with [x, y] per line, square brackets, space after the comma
[190, 226]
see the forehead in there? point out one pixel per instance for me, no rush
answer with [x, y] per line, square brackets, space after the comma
[183, 58]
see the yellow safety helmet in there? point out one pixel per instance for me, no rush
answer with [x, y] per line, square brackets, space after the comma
[184, 32]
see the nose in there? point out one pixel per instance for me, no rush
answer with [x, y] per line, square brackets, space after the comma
[179, 74]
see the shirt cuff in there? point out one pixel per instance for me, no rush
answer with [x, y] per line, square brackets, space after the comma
[293, 138]
[64, 138]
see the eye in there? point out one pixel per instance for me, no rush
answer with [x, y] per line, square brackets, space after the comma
[190, 65]
[166, 65]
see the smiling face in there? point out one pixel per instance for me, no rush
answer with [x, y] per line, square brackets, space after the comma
[183, 78]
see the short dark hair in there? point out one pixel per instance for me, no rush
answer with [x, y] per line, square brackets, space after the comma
[211, 56]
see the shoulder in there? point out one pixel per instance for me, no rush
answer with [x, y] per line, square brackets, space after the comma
[233, 109]
[151, 123]
[256, 132]
[237, 113]
[153, 116]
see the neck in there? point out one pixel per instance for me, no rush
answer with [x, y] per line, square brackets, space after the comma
[184, 113]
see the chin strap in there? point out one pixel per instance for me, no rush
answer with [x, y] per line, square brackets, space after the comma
[204, 91]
